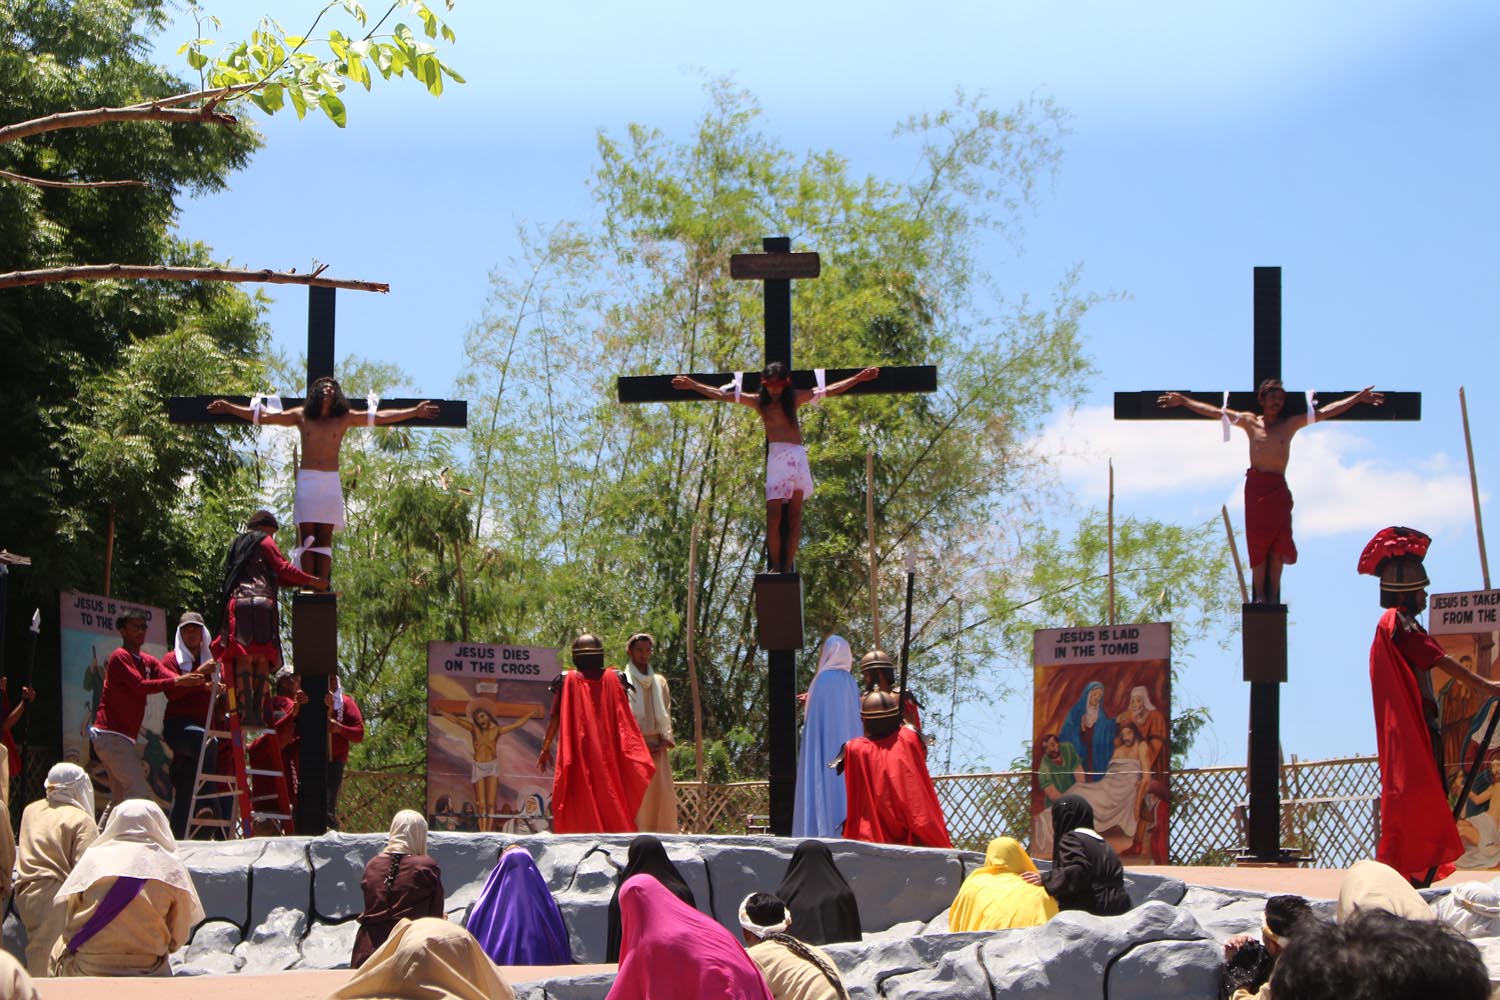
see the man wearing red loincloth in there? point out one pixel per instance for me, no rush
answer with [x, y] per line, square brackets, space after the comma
[1268, 501]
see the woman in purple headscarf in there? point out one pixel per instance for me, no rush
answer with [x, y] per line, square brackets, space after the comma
[515, 919]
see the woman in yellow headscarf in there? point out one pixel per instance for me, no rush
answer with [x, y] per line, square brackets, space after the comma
[995, 897]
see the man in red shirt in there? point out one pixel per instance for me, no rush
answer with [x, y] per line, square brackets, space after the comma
[251, 642]
[890, 793]
[130, 677]
[187, 711]
[1418, 834]
[345, 726]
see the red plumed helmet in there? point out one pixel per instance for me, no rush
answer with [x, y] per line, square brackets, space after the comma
[1395, 555]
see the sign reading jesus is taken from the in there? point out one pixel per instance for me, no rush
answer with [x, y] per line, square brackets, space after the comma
[1101, 644]
[1470, 611]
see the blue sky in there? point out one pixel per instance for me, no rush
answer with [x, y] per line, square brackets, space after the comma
[1353, 144]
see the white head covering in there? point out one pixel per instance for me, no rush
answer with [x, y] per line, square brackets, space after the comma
[1472, 909]
[835, 654]
[136, 843]
[185, 659]
[408, 833]
[428, 958]
[1140, 689]
[70, 785]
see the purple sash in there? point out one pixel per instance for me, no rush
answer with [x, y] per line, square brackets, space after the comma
[119, 896]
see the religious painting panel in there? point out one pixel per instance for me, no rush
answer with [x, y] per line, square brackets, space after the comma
[89, 635]
[487, 711]
[1101, 714]
[1467, 627]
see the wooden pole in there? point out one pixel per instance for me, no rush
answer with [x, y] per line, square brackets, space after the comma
[1111, 541]
[109, 548]
[692, 657]
[1234, 550]
[1484, 561]
[870, 531]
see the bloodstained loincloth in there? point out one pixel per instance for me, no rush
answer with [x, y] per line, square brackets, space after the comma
[1268, 517]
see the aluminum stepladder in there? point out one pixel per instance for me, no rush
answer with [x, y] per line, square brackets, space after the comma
[237, 786]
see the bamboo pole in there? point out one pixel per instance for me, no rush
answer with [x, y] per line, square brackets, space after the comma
[1111, 541]
[870, 531]
[1484, 561]
[1234, 550]
[692, 655]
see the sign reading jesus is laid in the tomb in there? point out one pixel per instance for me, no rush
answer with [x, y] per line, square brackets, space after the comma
[1102, 644]
[1101, 702]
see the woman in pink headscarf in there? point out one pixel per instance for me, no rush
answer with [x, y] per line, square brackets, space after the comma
[670, 951]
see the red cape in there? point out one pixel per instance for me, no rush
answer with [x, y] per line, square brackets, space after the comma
[603, 766]
[1268, 517]
[1417, 831]
[891, 798]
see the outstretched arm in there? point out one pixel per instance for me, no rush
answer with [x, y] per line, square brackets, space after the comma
[286, 418]
[687, 383]
[843, 385]
[1365, 395]
[461, 721]
[425, 410]
[517, 724]
[1168, 400]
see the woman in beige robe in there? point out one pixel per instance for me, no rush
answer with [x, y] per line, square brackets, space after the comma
[427, 959]
[55, 831]
[136, 844]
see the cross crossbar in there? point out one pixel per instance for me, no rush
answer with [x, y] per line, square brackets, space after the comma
[658, 388]
[1142, 405]
[194, 410]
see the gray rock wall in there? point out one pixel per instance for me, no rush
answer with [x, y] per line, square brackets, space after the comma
[275, 904]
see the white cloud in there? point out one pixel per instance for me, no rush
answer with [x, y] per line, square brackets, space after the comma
[1343, 483]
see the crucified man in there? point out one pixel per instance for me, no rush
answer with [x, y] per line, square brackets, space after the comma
[319, 505]
[788, 477]
[1268, 501]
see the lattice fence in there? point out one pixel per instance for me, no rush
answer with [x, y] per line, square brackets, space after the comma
[1330, 810]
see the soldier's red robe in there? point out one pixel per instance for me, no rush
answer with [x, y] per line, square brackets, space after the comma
[1417, 830]
[603, 766]
[891, 798]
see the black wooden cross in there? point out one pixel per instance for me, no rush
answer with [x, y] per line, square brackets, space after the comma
[779, 617]
[314, 616]
[1264, 634]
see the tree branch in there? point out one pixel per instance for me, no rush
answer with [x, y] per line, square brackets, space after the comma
[152, 112]
[105, 272]
[44, 183]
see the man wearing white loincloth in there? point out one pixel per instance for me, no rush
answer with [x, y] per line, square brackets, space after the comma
[788, 478]
[319, 505]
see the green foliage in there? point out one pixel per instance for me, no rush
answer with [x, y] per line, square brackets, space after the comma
[272, 68]
[84, 370]
[1163, 572]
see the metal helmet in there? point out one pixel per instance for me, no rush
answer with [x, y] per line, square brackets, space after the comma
[1395, 556]
[588, 652]
[880, 711]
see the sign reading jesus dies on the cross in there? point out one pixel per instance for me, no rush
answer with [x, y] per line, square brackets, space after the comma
[486, 717]
[1100, 711]
[1467, 626]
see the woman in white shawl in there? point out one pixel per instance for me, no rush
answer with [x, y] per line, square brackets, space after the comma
[55, 831]
[130, 902]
